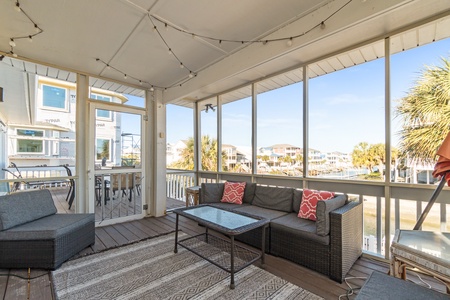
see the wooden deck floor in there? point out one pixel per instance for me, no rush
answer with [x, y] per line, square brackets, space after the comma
[14, 283]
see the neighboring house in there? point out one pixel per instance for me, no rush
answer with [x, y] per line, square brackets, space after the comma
[286, 150]
[50, 139]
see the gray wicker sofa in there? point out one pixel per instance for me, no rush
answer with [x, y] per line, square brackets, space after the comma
[329, 245]
[33, 235]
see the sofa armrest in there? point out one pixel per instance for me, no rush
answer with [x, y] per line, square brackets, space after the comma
[346, 238]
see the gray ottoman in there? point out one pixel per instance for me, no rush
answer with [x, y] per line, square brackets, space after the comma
[383, 286]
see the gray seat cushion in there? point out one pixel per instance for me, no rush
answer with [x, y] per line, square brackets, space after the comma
[260, 212]
[23, 207]
[300, 227]
[47, 228]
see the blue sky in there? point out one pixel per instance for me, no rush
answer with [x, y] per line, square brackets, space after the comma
[346, 107]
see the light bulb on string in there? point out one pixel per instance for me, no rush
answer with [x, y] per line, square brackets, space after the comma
[125, 76]
[12, 43]
[30, 38]
[289, 42]
[17, 7]
[140, 82]
[152, 89]
[36, 28]
[191, 74]
[170, 51]
[181, 66]
[322, 25]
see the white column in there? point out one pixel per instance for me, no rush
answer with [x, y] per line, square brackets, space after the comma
[155, 131]
[81, 146]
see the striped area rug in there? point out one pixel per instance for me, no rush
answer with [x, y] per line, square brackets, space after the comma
[150, 270]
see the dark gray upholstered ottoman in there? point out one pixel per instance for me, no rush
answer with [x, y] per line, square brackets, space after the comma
[383, 286]
[33, 235]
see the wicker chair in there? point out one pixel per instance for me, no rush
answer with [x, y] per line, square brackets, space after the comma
[33, 235]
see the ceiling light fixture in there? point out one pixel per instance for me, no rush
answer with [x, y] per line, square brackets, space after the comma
[209, 107]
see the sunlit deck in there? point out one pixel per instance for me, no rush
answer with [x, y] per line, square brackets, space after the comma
[14, 283]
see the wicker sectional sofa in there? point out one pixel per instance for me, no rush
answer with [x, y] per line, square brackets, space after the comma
[33, 235]
[329, 245]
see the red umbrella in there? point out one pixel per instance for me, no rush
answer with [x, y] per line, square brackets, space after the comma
[441, 169]
[442, 166]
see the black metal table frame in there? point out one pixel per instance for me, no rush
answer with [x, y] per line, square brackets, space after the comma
[230, 233]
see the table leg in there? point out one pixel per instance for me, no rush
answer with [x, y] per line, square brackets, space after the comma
[263, 245]
[232, 263]
[175, 250]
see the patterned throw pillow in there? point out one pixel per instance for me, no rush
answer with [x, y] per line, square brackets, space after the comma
[233, 192]
[309, 203]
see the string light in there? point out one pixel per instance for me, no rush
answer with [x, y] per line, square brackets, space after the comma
[29, 37]
[264, 42]
[125, 75]
[289, 42]
[17, 6]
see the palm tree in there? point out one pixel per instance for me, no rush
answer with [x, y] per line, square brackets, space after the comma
[209, 155]
[426, 114]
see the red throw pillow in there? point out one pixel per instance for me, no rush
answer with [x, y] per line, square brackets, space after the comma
[309, 203]
[233, 192]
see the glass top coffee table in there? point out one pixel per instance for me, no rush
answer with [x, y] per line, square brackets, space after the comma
[222, 252]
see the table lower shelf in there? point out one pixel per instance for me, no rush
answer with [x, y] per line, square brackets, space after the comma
[217, 251]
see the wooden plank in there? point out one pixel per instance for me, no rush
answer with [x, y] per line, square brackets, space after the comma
[17, 287]
[3, 280]
[138, 224]
[130, 235]
[106, 239]
[40, 286]
[116, 235]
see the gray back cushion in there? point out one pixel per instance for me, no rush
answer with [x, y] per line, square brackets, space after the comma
[23, 207]
[323, 212]
[274, 198]
[249, 192]
[211, 192]
[297, 200]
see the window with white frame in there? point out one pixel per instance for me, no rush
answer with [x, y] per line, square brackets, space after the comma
[30, 141]
[102, 114]
[54, 97]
